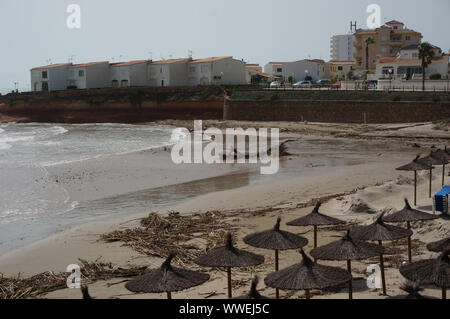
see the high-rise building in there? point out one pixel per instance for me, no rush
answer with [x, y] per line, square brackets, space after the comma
[342, 48]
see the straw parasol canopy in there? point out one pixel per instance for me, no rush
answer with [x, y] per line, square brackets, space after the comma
[430, 271]
[444, 155]
[277, 240]
[439, 246]
[433, 160]
[379, 231]
[253, 293]
[167, 279]
[307, 275]
[413, 289]
[347, 249]
[415, 166]
[229, 257]
[408, 215]
[316, 219]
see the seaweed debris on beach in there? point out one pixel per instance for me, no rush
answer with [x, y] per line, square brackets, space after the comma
[188, 236]
[33, 287]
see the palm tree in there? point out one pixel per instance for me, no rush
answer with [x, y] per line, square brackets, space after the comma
[369, 41]
[426, 53]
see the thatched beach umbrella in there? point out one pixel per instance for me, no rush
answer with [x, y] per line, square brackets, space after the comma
[445, 156]
[432, 160]
[413, 289]
[408, 215]
[167, 279]
[430, 271]
[307, 275]
[253, 293]
[316, 219]
[347, 249]
[229, 257]
[439, 246]
[415, 166]
[379, 231]
[276, 239]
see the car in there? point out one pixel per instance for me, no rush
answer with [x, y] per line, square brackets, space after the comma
[275, 84]
[336, 86]
[303, 84]
[323, 82]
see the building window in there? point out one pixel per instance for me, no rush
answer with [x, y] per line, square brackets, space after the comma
[279, 70]
[408, 38]
[397, 38]
[192, 69]
[161, 70]
[383, 38]
[415, 55]
[340, 68]
[384, 50]
[204, 68]
[81, 73]
[44, 74]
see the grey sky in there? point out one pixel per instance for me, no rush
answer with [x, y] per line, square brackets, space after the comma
[32, 31]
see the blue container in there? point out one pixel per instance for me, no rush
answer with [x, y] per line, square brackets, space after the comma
[441, 199]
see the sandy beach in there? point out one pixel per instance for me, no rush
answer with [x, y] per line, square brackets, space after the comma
[352, 169]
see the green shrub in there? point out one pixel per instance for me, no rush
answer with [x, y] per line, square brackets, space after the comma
[435, 76]
[437, 127]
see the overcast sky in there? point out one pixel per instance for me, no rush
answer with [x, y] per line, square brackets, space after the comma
[32, 31]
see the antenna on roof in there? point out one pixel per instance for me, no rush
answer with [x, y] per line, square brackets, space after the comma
[150, 55]
[190, 54]
[352, 26]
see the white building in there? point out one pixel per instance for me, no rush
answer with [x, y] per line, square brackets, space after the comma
[50, 78]
[173, 72]
[407, 64]
[216, 70]
[89, 75]
[133, 73]
[298, 70]
[342, 48]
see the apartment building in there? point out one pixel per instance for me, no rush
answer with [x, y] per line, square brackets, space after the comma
[172, 72]
[385, 41]
[133, 73]
[342, 47]
[340, 70]
[298, 70]
[407, 64]
[50, 77]
[216, 71]
[91, 75]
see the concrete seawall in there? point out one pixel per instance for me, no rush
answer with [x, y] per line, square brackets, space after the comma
[336, 111]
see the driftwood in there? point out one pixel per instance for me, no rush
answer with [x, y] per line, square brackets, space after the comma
[33, 287]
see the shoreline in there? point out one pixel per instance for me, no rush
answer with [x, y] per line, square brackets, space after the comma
[356, 186]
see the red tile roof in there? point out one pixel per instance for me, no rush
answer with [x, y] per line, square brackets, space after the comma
[50, 66]
[212, 59]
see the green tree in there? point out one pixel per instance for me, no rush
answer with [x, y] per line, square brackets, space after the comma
[426, 54]
[369, 41]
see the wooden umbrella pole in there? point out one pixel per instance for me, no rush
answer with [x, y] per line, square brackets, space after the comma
[350, 284]
[444, 293]
[230, 294]
[415, 188]
[431, 177]
[307, 294]
[277, 267]
[315, 240]
[408, 225]
[443, 174]
[383, 278]
[169, 295]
